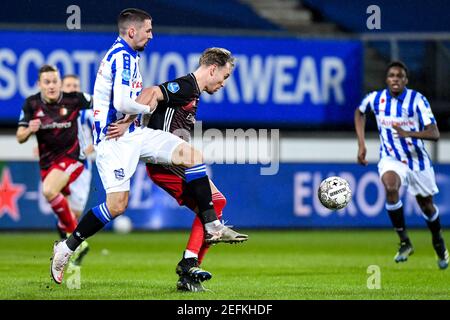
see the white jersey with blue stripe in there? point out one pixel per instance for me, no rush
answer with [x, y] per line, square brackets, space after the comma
[118, 76]
[412, 112]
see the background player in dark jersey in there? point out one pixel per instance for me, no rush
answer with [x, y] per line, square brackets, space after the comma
[177, 106]
[52, 116]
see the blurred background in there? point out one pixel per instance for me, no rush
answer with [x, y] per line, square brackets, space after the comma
[302, 68]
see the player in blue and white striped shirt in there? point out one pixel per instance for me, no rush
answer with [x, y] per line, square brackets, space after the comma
[404, 120]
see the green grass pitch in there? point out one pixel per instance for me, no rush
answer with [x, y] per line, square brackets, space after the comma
[271, 265]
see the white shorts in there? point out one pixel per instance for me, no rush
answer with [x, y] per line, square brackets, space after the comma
[79, 190]
[422, 183]
[117, 159]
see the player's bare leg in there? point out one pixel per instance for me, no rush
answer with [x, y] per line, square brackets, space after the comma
[92, 222]
[394, 206]
[431, 216]
[52, 185]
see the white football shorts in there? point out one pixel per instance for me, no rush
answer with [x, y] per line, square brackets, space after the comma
[117, 159]
[79, 190]
[422, 183]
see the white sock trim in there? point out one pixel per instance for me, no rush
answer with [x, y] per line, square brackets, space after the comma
[189, 254]
[434, 216]
[394, 206]
[213, 226]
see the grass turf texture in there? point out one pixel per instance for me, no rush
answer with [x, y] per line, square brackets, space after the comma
[271, 265]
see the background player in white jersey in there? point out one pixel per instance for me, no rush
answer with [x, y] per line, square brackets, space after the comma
[404, 120]
[117, 87]
[80, 188]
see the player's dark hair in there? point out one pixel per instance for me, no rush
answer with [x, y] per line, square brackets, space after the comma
[74, 76]
[217, 56]
[131, 15]
[47, 68]
[398, 64]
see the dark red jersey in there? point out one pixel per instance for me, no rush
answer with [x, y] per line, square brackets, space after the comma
[176, 113]
[58, 133]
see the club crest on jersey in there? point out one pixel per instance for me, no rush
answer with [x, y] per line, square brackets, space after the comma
[126, 75]
[119, 173]
[173, 87]
[63, 111]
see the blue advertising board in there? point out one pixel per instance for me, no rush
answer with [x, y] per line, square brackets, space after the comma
[285, 200]
[277, 81]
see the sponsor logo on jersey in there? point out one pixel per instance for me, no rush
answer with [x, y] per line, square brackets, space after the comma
[56, 125]
[126, 75]
[173, 87]
[136, 84]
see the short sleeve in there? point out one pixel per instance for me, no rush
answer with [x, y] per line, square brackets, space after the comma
[85, 100]
[26, 114]
[177, 92]
[424, 111]
[367, 103]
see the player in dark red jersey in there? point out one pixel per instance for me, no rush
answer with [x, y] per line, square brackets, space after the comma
[52, 116]
[177, 106]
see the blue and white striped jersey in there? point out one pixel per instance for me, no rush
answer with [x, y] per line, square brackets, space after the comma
[117, 85]
[85, 139]
[412, 112]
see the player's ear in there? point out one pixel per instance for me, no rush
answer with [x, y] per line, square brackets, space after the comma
[131, 32]
[212, 69]
[406, 81]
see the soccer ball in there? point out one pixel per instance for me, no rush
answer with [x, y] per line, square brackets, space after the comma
[334, 193]
[122, 224]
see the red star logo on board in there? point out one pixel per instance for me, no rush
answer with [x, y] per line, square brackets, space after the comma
[9, 195]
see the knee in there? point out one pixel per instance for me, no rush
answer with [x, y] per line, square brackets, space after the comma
[391, 189]
[49, 192]
[196, 158]
[427, 208]
[116, 208]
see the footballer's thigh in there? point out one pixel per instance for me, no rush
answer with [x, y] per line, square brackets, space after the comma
[161, 147]
[393, 174]
[54, 182]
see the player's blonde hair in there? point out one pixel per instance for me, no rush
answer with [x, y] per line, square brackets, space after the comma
[217, 56]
